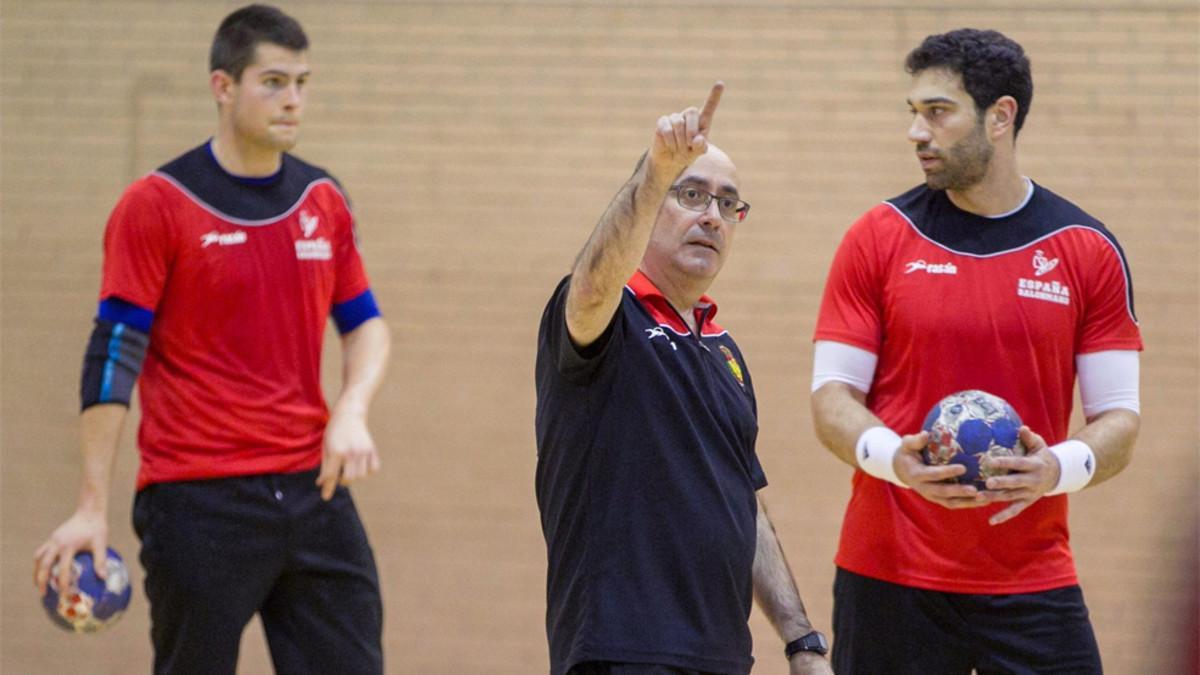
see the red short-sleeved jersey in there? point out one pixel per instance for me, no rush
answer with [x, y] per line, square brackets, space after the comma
[241, 276]
[948, 301]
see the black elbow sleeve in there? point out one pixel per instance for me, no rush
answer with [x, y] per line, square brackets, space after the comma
[111, 364]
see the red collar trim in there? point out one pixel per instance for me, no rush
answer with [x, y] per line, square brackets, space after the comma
[664, 313]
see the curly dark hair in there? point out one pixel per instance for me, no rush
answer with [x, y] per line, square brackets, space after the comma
[242, 31]
[991, 66]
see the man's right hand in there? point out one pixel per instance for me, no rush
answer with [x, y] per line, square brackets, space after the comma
[83, 531]
[928, 481]
[681, 137]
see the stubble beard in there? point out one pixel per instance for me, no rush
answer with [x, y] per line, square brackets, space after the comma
[964, 164]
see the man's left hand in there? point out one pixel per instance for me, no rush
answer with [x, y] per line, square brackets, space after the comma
[809, 663]
[1031, 476]
[349, 452]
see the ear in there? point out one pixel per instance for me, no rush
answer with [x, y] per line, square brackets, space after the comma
[221, 83]
[1002, 116]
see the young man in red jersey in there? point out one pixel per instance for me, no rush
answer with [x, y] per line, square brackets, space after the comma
[221, 270]
[978, 279]
[647, 475]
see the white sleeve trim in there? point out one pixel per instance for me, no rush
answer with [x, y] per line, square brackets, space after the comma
[1108, 380]
[840, 362]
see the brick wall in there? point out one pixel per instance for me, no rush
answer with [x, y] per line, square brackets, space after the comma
[480, 142]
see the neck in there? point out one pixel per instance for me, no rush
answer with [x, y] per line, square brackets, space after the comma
[1002, 189]
[683, 295]
[242, 158]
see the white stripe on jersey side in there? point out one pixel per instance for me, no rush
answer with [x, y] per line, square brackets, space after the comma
[672, 328]
[1120, 256]
[251, 223]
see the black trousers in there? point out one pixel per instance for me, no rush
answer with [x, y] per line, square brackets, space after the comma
[880, 627]
[615, 668]
[218, 551]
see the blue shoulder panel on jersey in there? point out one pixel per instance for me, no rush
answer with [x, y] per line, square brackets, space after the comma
[352, 313]
[117, 310]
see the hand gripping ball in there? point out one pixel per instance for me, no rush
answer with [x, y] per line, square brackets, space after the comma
[966, 427]
[91, 604]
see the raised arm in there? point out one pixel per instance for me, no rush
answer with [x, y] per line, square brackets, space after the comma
[619, 240]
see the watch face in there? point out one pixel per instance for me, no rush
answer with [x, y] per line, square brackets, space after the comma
[817, 643]
[813, 642]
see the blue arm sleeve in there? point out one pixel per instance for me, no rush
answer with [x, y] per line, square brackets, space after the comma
[115, 352]
[117, 310]
[352, 313]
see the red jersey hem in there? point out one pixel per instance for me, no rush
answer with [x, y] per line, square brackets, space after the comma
[954, 586]
[208, 472]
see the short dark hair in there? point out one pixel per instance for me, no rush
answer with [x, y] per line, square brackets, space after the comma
[241, 32]
[991, 66]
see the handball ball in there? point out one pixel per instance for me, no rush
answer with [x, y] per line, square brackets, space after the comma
[968, 426]
[91, 603]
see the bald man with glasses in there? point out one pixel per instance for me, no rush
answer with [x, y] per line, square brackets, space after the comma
[647, 476]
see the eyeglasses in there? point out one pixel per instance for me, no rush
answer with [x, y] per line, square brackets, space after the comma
[692, 198]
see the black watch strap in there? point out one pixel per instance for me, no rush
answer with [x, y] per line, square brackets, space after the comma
[813, 642]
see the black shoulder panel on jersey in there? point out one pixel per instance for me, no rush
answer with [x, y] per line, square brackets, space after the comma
[240, 198]
[937, 218]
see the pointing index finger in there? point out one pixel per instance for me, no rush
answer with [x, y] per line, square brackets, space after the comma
[710, 106]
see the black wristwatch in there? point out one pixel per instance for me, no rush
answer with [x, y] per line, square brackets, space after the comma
[813, 642]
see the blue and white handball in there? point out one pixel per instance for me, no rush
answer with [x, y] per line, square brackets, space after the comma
[968, 426]
[91, 604]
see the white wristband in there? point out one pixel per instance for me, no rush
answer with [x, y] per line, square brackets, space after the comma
[1077, 465]
[875, 451]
